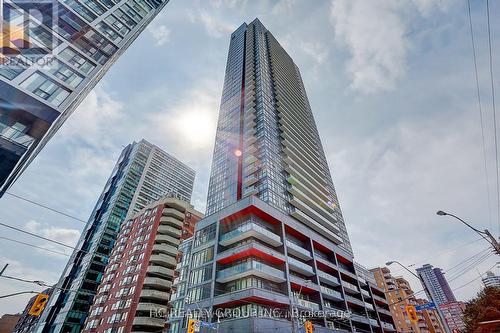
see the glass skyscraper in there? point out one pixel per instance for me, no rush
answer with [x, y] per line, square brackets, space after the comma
[434, 282]
[53, 52]
[273, 239]
[142, 174]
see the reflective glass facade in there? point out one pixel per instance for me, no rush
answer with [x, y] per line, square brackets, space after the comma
[143, 174]
[52, 61]
[267, 143]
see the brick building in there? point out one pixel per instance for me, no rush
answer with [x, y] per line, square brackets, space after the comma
[138, 278]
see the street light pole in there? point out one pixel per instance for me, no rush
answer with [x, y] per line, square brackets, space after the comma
[431, 296]
[485, 234]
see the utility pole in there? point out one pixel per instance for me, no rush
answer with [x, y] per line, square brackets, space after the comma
[427, 290]
[485, 234]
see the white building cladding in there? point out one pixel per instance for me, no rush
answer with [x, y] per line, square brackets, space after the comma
[267, 143]
[73, 49]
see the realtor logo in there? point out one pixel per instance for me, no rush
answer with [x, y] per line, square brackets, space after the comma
[26, 27]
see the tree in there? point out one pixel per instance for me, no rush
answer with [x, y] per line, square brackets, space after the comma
[486, 306]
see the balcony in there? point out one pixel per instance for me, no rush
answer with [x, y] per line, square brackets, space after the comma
[149, 321]
[302, 282]
[300, 267]
[167, 239]
[298, 251]
[331, 294]
[161, 271]
[173, 213]
[165, 248]
[250, 180]
[250, 267]
[384, 311]
[157, 283]
[354, 300]
[168, 230]
[374, 322]
[387, 326]
[360, 318]
[328, 279]
[147, 307]
[15, 136]
[163, 260]
[249, 191]
[350, 288]
[369, 306]
[365, 293]
[306, 304]
[170, 221]
[379, 299]
[250, 248]
[250, 230]
[155, 295]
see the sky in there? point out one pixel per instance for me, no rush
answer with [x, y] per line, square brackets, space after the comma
[391, 85]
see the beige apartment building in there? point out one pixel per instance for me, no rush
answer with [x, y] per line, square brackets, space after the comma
[399, 294]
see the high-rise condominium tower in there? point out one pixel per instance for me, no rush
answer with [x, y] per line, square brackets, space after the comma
[267, 143]
[52, 53]
[143, 173]
[274, 236]
[434, 282]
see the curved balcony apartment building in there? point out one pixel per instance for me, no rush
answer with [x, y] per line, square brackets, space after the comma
[136, 285]
[274, 236]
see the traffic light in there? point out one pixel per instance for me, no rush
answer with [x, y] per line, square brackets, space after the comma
[412, 313]
[191, 325]
[309, 327]
[39, 304]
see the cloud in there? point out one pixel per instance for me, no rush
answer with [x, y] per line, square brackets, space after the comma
[316, 50]
[188, 125]
[63, 235]
[375, 35]
[160, 33]
[391, 184]
[214, 26]
[89, 123]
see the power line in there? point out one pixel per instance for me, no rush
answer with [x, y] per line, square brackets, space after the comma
[46, 207]
[38, 236]
[468, 259]
[34, 246]
[494, 108]
[480, 111]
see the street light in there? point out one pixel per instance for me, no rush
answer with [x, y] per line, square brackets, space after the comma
[427, 291]
[485, 234]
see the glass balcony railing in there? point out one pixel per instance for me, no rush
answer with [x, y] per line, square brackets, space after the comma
[298, 248]
[250, 227]
[250, 265]
[331, 292]
[350, 286]
[369, 306]
[16, 136]
[301, 265]
[307, 304]
[328, 277]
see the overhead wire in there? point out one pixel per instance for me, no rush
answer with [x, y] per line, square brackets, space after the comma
[37, 236]
[494, 107]
[34, 246]
[481, 117]
[46, 207]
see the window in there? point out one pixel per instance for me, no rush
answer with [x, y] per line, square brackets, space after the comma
[46, 89]
[66, 74]
[76, 60]
[117, 24]
[202, 257]
[205, 235]
[201, 275]
[106, 30]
